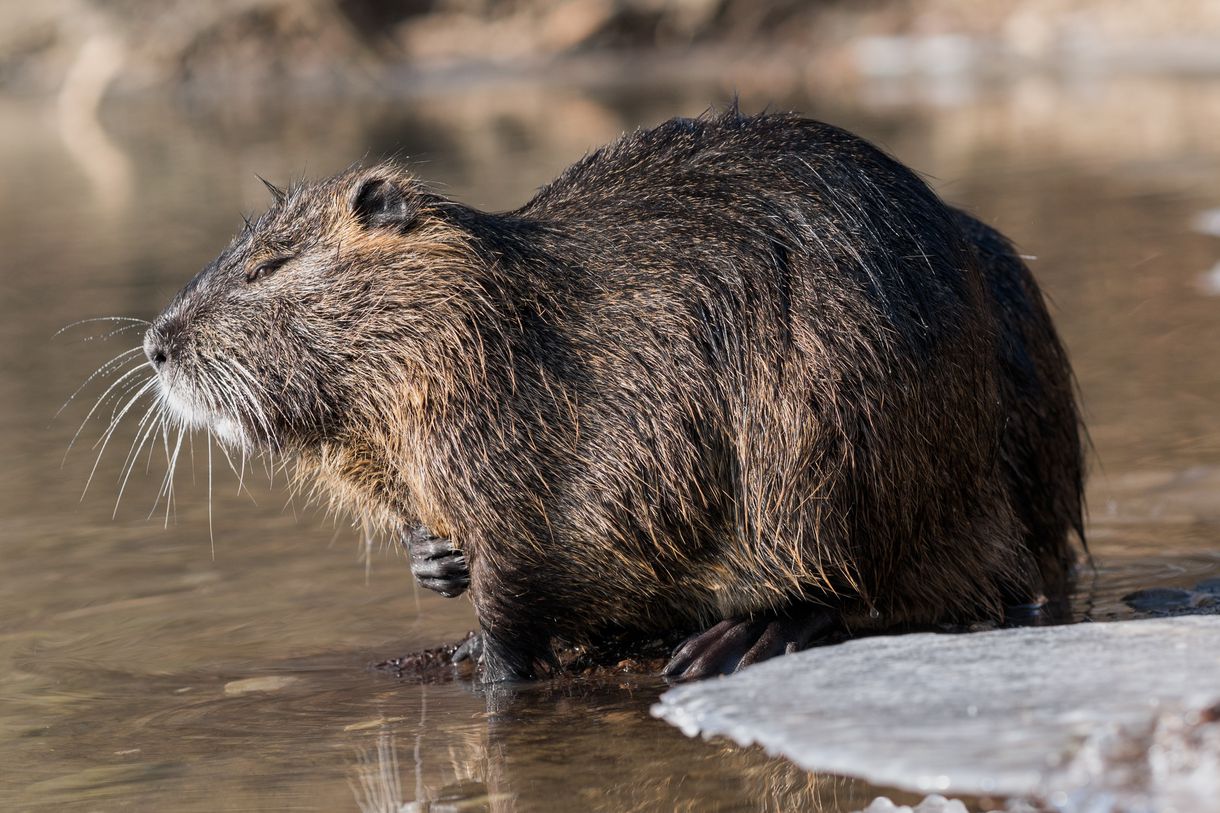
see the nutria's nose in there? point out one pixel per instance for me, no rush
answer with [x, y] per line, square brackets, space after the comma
[163, 340]
[155, 348]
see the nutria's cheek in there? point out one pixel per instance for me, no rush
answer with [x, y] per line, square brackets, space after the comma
[189, 404]
[178, 398]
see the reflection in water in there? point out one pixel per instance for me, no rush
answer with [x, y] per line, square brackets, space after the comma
[585, 747]
[106, 165]
[118, 637]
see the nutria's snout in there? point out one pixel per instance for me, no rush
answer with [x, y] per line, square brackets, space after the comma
[162, 348]
[163, 339]
[182, 385]
[155, 348]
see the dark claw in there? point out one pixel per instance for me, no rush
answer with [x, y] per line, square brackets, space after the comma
[437, 563]
[739, 642]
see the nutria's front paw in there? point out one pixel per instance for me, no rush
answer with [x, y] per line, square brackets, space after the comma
[738, 642]
[437, 563]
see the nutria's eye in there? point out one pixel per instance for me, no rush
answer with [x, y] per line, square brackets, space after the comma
[265, 269]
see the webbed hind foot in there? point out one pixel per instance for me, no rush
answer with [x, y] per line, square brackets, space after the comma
[738, 642]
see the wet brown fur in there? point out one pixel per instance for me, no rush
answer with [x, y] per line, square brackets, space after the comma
[715, 368]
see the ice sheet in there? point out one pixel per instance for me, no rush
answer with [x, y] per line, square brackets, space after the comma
[1090, 717]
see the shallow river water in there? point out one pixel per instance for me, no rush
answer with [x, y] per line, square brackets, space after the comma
[181, 663]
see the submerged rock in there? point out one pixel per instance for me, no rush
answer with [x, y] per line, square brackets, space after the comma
[1100, 718]
[1204, 598]
[269, 683]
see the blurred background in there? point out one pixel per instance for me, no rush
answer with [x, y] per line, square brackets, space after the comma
[212, 655]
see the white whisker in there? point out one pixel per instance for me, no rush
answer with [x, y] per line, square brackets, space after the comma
[143, 431]
[105, 439]
[248, 386]
[190, 450]
[241, 481]
[167, 485]
[100, 319]
[211, 532]
[101, 400]
[117, 361]
[122, 407]
[112, 333]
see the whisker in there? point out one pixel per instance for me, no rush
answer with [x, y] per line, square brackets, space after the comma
[225, 387]
[239, 474]
[105, 439]
[168, 423]
[147, 422]
[117, 361]
[167, 484]
[190, 451]
[111, 333]
[260, 416]
[144, 431]
[120, 387]
[250, 385]
[100, 319]
[222, 385]
[165, 427]
[211, 532]
[121, 407]
[159, 430]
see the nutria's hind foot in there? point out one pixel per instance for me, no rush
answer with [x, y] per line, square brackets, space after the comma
[738, 642]
[469, 650]
[437, 562]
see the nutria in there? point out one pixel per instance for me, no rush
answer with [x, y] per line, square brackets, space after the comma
[741, 373]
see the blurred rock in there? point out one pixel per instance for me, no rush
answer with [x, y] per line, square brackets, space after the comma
[262, 46]
[268, 683]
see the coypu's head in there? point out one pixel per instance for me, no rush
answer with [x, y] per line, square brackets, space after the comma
[315, 313]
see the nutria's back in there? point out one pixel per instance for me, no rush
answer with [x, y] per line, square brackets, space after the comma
[724, 368]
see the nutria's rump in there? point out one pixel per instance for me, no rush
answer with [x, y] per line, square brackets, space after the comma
[739, 372]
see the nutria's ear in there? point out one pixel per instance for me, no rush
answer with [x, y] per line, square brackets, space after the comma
[380, 202]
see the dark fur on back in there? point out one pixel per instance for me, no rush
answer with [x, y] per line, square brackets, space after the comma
[715, 368]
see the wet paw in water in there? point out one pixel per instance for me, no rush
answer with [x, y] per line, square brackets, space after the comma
[1204, 597]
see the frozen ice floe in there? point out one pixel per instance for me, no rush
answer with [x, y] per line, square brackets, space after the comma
[1092, 718]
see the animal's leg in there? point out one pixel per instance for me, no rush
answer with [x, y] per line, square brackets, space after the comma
[738, 642]
[506, 659]
[437, 562]
[515, 628]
